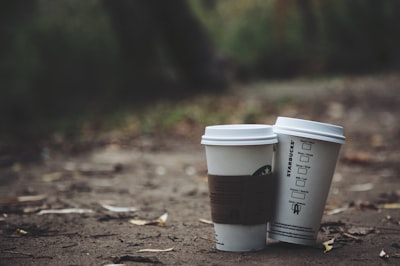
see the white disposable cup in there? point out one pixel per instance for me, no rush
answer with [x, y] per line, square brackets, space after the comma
[239, 150]
[305, 162]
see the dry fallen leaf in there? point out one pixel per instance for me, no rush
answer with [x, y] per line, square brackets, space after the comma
[65, 211]
[391, 206]
[160, 221]
[118, 209]
[383, 254]
[328, 245]
[32, 198]
[155, 250]
[337, 210]
[21, 199]
[361, 187]
[205, 221]
[140, 222]
[20, 232]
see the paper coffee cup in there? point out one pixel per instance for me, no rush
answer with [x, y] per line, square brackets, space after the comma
[239, 161]
[305, 162]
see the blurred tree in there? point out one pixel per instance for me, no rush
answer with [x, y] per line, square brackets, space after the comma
[67, 58]
[357, 34]
[281, 38]
[393, 31]
[158, 35]
[14, 99]
[15, 104]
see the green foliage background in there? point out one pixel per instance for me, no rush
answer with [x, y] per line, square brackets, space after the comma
[62, 56]
[349, 36]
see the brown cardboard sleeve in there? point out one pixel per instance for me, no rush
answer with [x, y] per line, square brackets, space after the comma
[240, 199]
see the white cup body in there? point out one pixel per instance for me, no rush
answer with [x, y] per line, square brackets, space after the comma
[238, 160]
[236, 156]
[304, 167]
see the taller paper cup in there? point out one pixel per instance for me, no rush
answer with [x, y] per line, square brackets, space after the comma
[305, 162]
[239, 161]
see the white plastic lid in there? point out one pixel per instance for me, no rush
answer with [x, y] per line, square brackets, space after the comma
[238, 135]
[309, 129]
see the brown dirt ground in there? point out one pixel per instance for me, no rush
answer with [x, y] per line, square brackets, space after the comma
[160, 175]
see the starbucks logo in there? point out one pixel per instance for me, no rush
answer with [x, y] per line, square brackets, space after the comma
[264, 170]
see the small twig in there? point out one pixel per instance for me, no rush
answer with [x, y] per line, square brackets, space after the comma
[205, 238]
[70, 245]
[152, 260]
[26, 254]
[18, 253]
[351, 236]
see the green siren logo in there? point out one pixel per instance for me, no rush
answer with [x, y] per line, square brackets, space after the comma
[264, 170]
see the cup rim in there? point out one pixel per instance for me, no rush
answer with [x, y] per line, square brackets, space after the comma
[239, 135]
[309, 129]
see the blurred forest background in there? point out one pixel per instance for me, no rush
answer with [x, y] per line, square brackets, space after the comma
[62, 60]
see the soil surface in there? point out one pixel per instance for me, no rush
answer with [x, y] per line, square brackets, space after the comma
[158, 175]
